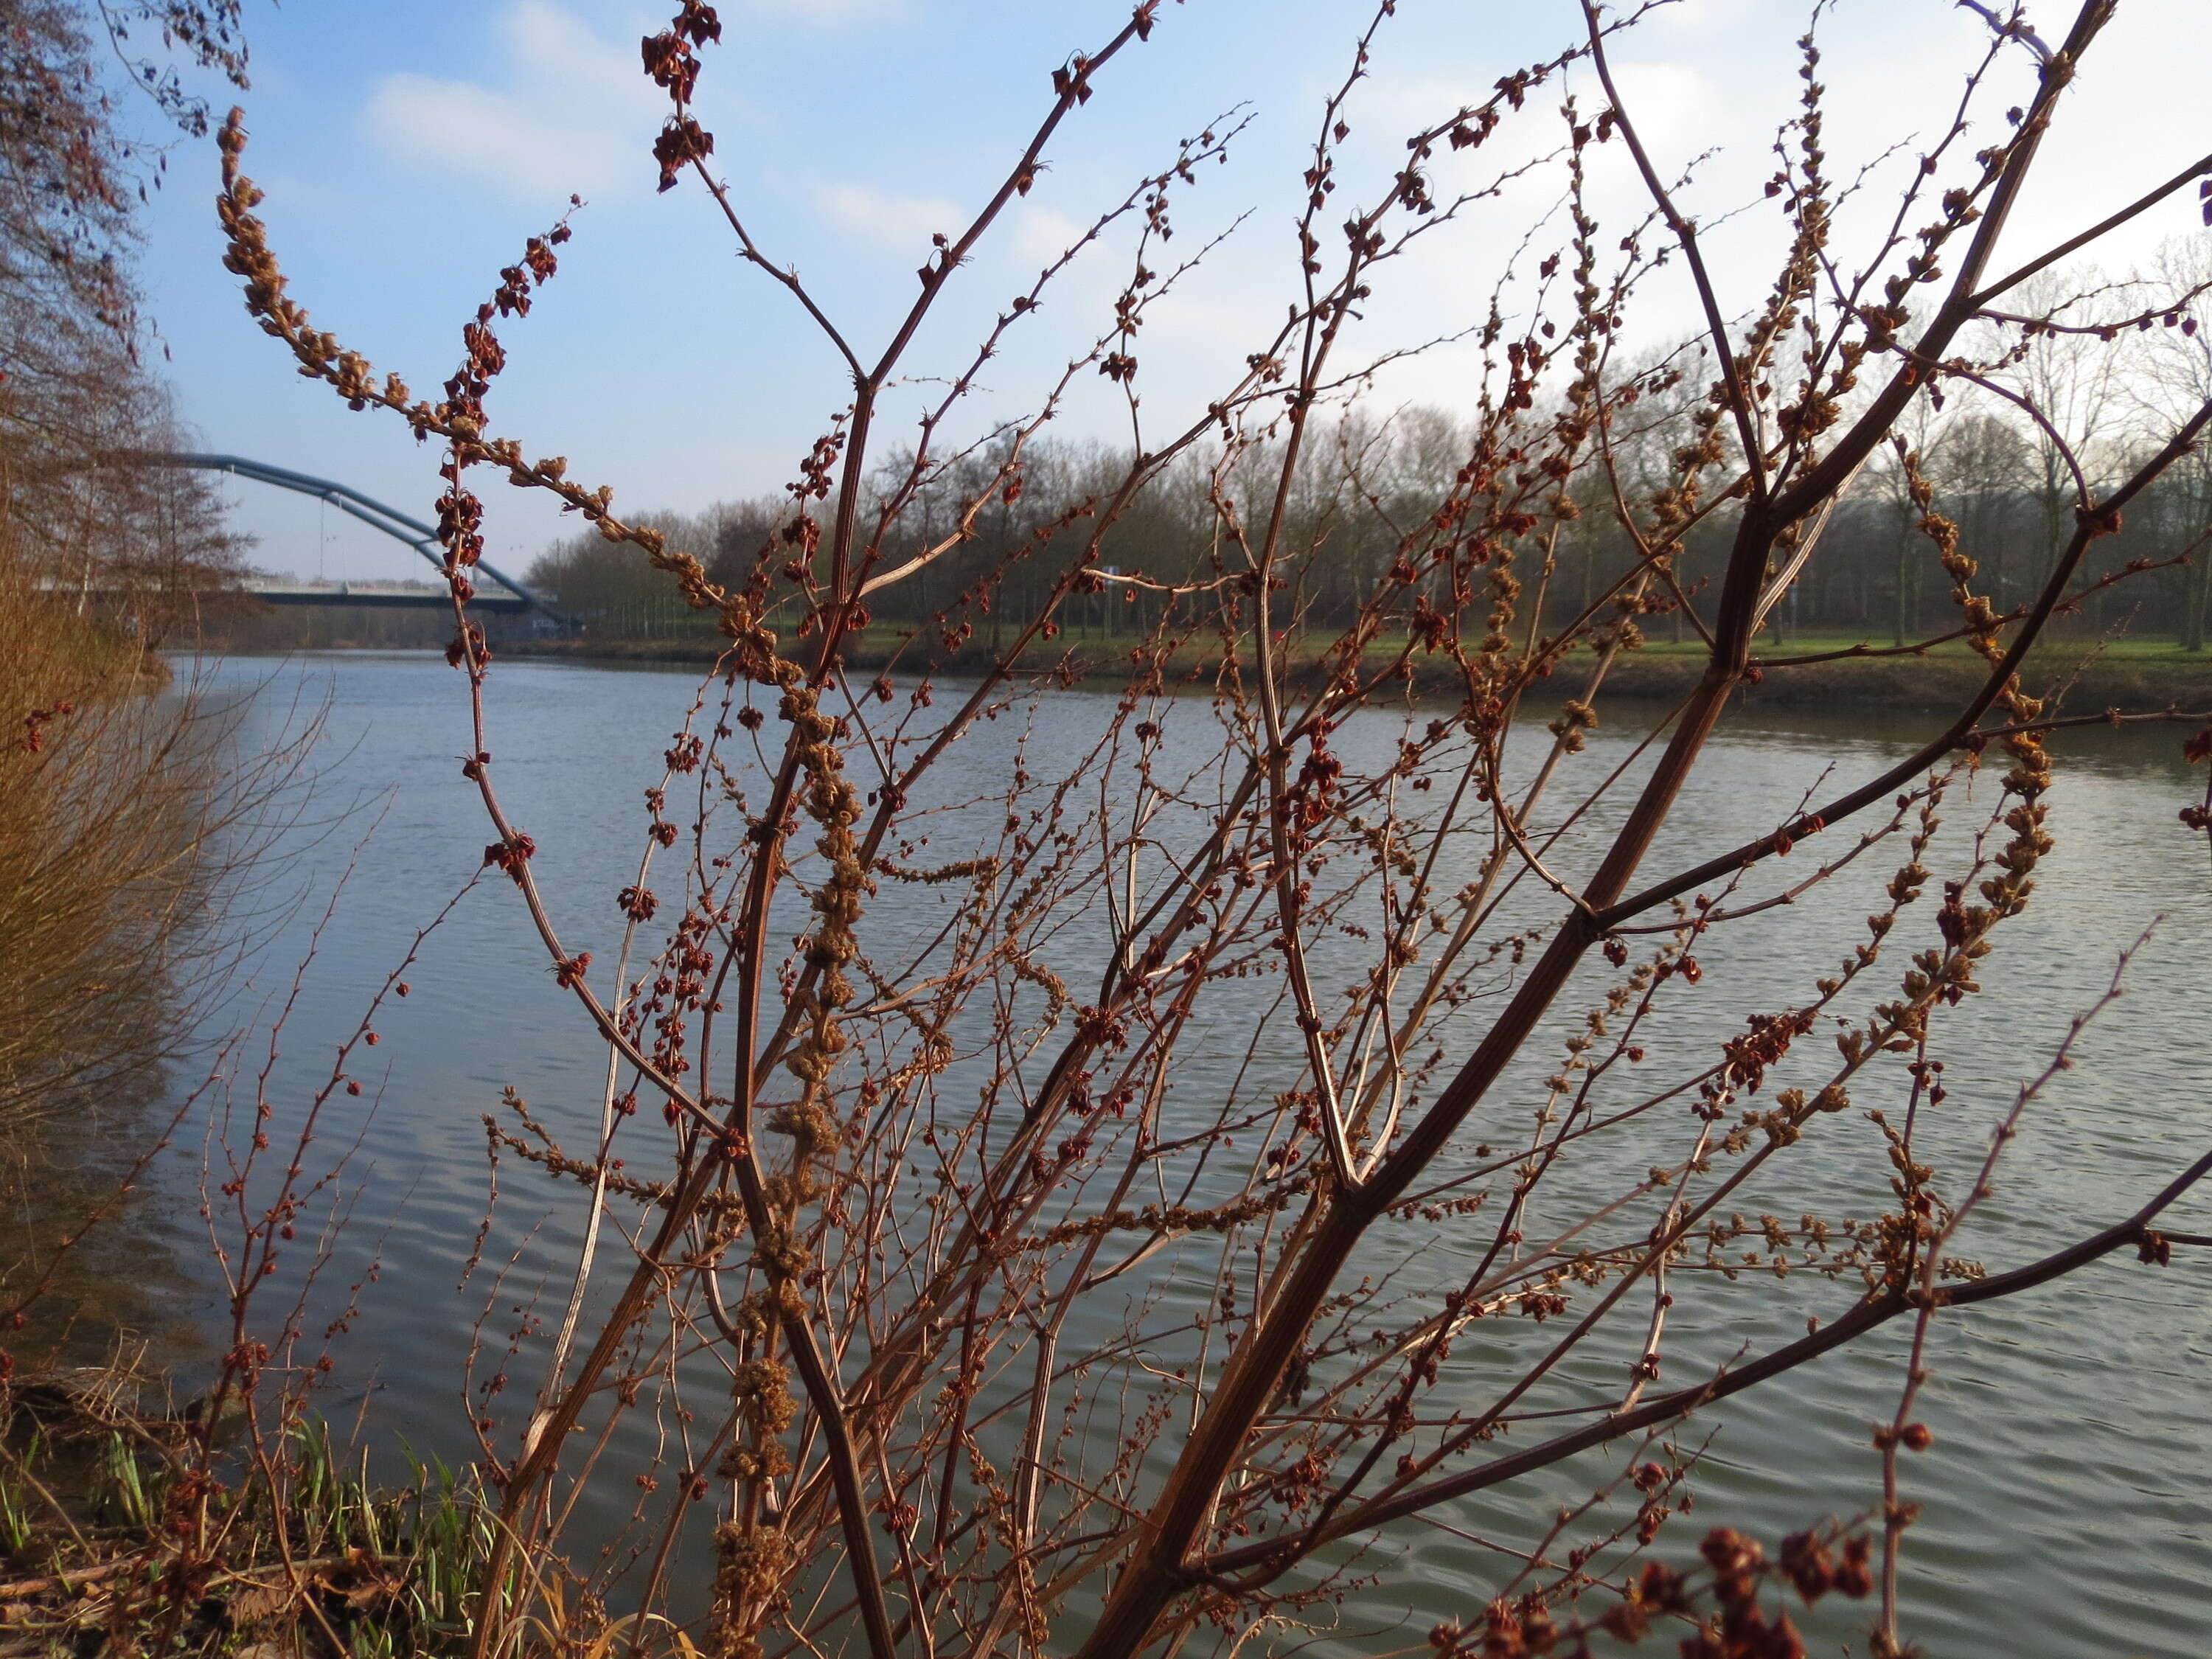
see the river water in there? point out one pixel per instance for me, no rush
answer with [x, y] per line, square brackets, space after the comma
[2068, 1498]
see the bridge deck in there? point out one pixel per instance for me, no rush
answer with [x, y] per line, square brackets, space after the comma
[385, 595]
[390, 596]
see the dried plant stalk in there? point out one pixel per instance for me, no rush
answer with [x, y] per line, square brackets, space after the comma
[914, 1208]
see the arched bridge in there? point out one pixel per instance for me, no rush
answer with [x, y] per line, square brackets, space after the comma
[423, 537]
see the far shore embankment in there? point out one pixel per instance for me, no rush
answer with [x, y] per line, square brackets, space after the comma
[2132, 676]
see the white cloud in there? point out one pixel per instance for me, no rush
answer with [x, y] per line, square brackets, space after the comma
[823, 11]
[1044, 234]
[1675, 107]
[878, 214]
[574, 114]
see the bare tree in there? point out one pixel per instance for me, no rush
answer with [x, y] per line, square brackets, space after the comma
[2180, 364]
[2068, 384]
[894, 1225]
[74, 392]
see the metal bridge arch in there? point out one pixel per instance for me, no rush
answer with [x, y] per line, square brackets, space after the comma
[423, 537]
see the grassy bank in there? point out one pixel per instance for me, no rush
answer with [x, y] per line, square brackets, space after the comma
[112, 1540]
[2097, 674]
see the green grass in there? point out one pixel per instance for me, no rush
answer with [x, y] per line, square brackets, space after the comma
[633, 625]
[298, 1547]
[2136, 649]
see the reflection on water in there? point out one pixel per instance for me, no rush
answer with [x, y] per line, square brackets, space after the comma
[2069, 1494]
[123, 1287]
[127, 893]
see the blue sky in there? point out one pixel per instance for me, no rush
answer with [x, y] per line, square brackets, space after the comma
[408, 147]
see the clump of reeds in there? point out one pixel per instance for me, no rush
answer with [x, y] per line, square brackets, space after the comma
[110, 815]
[128, 819]
[106, 1538]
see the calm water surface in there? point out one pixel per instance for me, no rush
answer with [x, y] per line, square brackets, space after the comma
[2068, 1496]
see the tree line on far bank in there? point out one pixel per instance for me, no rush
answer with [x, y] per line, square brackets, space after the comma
[2004, 478]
